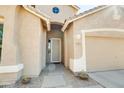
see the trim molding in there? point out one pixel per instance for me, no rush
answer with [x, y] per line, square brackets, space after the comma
[103, 29]
[76, 7]
[11, 69]
[84, 44]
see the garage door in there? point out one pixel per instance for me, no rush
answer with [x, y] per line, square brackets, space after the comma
[104, 53]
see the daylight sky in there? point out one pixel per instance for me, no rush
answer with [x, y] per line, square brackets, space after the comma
[85, 7]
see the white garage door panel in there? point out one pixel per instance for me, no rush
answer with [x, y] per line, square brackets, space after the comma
[104, 53]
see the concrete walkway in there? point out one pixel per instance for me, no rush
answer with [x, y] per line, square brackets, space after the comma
[56, 76]
[109, 79]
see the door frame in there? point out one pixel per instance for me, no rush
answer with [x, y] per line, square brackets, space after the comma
[60, 50]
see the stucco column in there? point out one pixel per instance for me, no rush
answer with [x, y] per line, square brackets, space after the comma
[66, 63]
[84, 50]
[78, 61]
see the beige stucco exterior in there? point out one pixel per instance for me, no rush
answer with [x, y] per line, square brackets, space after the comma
[26, 31]
[99, 32]
[69, 46]
[9, 47]
[32, 42]
[94, 42]
[23, 44]
[65, 12]
[8, 18]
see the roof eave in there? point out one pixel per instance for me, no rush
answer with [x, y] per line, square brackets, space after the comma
[69, 21]
[47, 20]
[76, 7]
[65, 25]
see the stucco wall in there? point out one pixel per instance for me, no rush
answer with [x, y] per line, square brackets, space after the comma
[69, 47]
[10, 55]
[43, 49]
[24, 42]
[109, 18]
[102, 19]
[65, 12]
[32, 43]
[9, 46]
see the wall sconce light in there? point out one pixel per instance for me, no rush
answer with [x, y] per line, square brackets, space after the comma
[1, 20]
[78, 38]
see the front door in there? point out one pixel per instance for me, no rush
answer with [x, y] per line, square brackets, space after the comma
[55, 47]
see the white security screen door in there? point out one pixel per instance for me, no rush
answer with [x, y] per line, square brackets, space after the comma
[55, 50]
